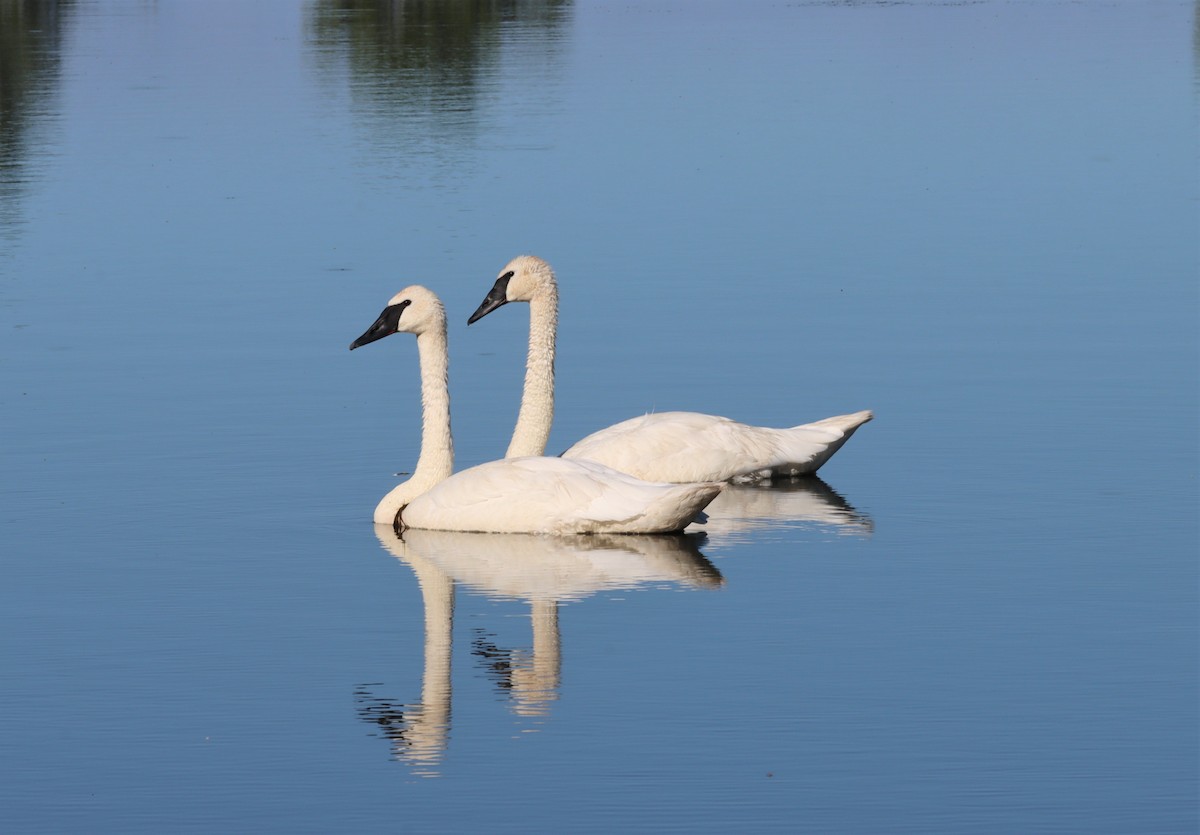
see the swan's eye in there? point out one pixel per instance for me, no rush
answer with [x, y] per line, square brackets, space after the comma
[393, 312]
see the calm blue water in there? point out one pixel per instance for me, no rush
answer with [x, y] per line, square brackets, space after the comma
[979, 220]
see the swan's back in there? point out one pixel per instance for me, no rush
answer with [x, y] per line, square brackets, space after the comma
[688, 446]
[555, 495]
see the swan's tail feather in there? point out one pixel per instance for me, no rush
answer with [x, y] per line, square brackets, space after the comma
[808, 446]
[681, 506]
[845, 423]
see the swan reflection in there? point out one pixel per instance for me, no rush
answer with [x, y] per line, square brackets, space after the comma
[543, 570]
[741, 509]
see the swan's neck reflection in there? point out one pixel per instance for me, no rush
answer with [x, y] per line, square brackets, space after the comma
[418, 732]
[530, 679]
[536, 685]
[543, 570]
[427, 737]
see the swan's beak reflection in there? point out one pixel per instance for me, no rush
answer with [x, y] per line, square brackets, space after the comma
[385, 325]
[496, 297]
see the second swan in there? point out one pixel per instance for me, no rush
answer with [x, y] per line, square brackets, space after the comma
[661, 446]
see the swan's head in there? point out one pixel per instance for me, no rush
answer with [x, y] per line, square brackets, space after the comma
[522, 279]
[412, 310]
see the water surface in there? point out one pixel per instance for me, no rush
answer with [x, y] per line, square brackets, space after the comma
[977, 219]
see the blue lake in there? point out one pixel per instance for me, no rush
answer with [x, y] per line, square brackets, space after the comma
[978, 219]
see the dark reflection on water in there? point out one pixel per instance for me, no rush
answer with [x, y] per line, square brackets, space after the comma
[418, 72]
[1196, 42]
[32, 35]
[506, 666]
[542, 570]
[417, 732]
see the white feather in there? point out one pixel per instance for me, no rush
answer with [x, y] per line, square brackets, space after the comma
[663, 446]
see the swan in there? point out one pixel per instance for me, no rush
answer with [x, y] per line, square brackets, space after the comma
[663, 446]
[513, 495]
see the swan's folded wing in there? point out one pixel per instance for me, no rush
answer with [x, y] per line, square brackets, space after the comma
[679, 447]
[550, 495]
[583, 492]
[689, 446]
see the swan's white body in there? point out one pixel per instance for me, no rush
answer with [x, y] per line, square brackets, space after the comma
[555, 496]
[689, 446]
[522, 495]
[662, 446]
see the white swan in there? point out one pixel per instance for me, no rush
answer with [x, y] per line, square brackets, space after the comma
[514, 495]
[664, 446]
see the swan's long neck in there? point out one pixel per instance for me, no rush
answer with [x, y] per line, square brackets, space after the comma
[537, 400]
[436, 461]
[437, 444]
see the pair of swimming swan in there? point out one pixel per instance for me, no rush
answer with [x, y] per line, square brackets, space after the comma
[651, 474]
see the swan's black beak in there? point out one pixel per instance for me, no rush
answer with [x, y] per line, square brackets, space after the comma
[498, 297]
[385, 325]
